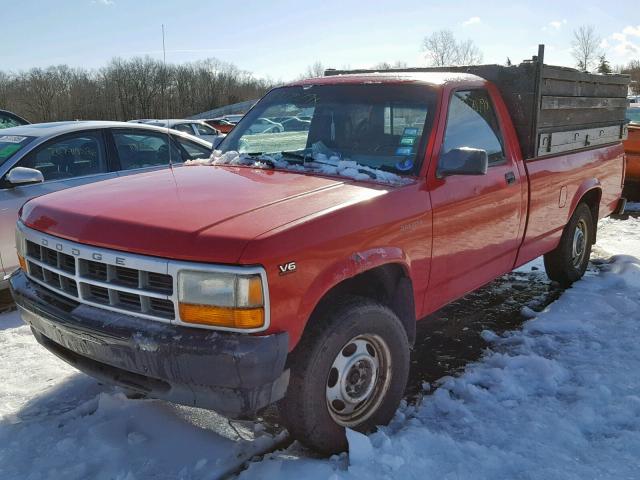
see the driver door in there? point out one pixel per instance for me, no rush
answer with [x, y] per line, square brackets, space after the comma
[476, 218]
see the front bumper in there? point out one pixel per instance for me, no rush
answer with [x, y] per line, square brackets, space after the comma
[234, 374]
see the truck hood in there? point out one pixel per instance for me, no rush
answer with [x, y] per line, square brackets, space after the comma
[199, 213]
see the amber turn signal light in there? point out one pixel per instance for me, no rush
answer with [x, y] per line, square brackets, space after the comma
[243, 318]
[23, 263]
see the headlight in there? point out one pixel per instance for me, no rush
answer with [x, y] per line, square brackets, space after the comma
[20, 249]
[221, 299]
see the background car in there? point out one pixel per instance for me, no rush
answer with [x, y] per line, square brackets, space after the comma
[265, 125]
[220, 124]
[46, 157]
[192, 127]
[233, 118]
[10, 119]
[632, 154]
[295, 124]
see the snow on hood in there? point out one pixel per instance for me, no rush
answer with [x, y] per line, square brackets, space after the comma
[316, 162]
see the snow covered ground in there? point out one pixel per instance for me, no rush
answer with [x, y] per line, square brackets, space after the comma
[558, 399]
[56, 423]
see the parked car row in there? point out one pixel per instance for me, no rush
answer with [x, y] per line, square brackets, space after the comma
[192, 127]
[276, 124]
[43, 158]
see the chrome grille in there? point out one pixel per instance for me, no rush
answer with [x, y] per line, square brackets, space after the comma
[137, 285]
[102, 283]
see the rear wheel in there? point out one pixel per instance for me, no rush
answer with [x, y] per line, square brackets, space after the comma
[349, 370]
[568, 262]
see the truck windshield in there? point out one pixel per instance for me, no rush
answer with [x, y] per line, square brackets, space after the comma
[368, 128]
[10, 145]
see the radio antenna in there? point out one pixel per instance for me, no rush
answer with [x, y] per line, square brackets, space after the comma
[166, 99]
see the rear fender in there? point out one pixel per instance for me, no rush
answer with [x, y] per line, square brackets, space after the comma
[586, 186]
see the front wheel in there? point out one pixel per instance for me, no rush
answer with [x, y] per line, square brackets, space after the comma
[568, 262]
[349, 371]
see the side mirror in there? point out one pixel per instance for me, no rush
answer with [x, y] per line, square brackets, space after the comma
[24, 176]
[463, 161]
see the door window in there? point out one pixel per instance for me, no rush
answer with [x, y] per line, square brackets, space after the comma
[472, 122]
[8, 121]
[140, 149]
[74, 155]
[183, 127]
[193, 150]
[204, 129]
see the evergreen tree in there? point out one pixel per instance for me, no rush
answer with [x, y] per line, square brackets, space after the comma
[603, 65]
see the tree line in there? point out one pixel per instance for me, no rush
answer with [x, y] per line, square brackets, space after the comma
[126, 89]
[442, 49]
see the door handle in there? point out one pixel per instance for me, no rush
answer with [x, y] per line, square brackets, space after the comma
[510, 177]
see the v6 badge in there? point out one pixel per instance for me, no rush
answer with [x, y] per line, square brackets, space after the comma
[286, 268]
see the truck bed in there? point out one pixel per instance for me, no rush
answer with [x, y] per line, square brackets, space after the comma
[572, 175]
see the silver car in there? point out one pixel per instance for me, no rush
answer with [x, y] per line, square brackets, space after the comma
[192, 127]
[42, 158]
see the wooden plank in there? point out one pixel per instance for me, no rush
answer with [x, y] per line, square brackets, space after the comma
[578, 117]
[563, 103]
[564, 88]
[563, 73]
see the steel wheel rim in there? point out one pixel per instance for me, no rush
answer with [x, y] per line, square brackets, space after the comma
[358, 379]
[579, 244]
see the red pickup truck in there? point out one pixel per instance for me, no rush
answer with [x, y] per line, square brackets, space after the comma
[293, 266]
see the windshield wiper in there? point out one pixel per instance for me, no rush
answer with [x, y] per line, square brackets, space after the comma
[297, 157]
[258, 157]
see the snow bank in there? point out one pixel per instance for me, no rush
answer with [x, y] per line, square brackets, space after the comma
[616, 237]
[56, 423]
[317, 162]
[559, 399]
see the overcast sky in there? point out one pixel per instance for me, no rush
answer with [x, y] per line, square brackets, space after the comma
[280, 38]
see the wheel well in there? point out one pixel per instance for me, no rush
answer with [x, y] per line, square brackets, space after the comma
[592, 200]
[387, 284]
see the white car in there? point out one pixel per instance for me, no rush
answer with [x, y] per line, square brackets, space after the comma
[264, 125]
[192, 127]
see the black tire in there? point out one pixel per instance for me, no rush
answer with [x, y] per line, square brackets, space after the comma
[562, 264]
[306, 410]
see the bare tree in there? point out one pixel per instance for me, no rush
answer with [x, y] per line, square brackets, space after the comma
[468, 53]
[633, 70]
[585, 47]
[315, 70]
[442, 49]
[388, 66]
[126, 89]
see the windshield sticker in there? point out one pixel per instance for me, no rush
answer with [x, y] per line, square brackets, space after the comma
[407, 141]
[12, 139]
[404, 151]
[410, 132]
[405, 165]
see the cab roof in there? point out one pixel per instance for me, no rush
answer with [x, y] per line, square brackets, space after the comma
[432, 79]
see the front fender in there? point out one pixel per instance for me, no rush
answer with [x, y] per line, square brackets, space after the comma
[341, 270]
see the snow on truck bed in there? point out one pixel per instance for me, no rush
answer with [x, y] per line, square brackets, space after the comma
[558, 399]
